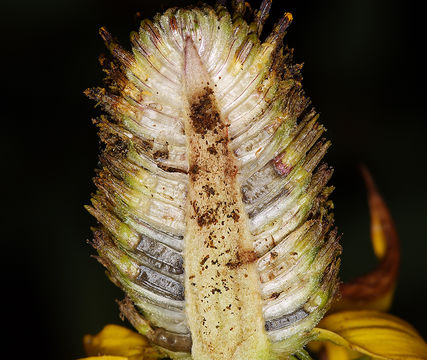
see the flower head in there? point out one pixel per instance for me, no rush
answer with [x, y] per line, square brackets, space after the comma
[213, 204]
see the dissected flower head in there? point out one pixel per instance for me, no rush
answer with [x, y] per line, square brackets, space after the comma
[211, 197]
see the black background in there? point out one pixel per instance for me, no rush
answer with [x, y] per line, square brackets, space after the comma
[364, 70]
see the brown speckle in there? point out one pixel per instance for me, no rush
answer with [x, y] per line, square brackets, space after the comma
[209, 190]
[203, 113]
[204, 260]
[235, 215]
[161, 155]
[207, 218]
[194, 171]
[242, 258]
[212, 150]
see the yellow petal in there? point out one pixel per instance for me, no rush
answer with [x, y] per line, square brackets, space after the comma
[379, 335]
[105, 357]
[119, 341]
[375, 290]
[336, 352]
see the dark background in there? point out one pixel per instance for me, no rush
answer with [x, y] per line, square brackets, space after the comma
[364, 70]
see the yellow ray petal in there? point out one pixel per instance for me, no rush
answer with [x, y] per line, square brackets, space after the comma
[375, 290]
[336, 352]
[327, 350]
[105, 357]
[379, 335]
[118, 342]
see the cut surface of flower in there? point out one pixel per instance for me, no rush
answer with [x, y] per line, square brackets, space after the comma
[211, 196]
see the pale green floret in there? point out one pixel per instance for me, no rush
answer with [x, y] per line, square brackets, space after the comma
[127, 236]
